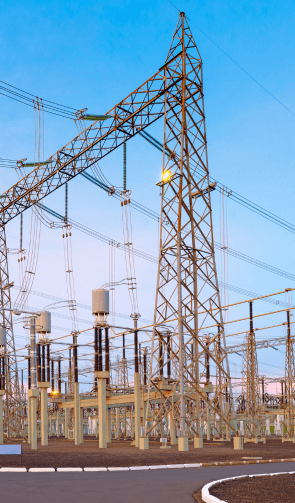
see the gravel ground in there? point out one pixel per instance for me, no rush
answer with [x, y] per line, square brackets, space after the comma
[279, 488]
[64, 453]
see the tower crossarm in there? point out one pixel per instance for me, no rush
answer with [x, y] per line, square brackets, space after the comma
[267, 343]
[132, 115]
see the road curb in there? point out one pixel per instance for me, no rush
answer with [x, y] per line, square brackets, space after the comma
[209, 498]
[150, 467]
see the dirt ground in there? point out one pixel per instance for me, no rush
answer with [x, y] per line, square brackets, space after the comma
[64, 453]
[278, 488]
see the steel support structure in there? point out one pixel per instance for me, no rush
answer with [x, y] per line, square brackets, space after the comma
[289, 385]
[187, 296]
[12, 404]
[251, 384]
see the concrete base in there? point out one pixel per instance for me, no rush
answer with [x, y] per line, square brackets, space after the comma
[183, 444]
[254, 440]
[238, 443]
[292, 439]
[198, 442]
[144, 443]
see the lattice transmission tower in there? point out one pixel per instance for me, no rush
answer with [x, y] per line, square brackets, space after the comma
[187, 297]
[289, 385]
[12, 405]
[251, 386]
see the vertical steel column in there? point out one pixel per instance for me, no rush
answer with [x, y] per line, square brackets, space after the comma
[107, 355]
[38, 362]
[33, 352]
[59, 376]
[48, 362]
[135, 346]
[52, 376]
[43, 368]
[100, 349]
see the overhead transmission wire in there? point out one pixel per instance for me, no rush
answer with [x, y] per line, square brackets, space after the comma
[69, 270]
[128, 240]
[28, 268]
[243, 201]
[151, 258]
[26, 98]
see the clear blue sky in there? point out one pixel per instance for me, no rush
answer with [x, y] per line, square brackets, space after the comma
[94, 54]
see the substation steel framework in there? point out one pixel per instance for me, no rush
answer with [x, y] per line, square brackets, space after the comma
[187, 287]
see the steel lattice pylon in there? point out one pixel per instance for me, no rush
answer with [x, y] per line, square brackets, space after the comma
[289, 384]
[253, 405]
[187, 298]
[12, 406]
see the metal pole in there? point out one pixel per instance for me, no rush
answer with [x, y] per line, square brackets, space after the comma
[135, 346]
[43, 363]
[33, 352]
[107, 355]
[100, 349]
[48, 362]
[59, 376]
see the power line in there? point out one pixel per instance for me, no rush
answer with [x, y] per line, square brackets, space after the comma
[33, 101]
[243, 201]
[151, 258]
[237, 64]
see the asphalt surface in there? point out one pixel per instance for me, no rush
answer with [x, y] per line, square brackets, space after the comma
[144, 486]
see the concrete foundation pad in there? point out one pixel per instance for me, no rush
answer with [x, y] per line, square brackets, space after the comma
[182, 444]
[238, 443]
[143, 443]
[198, 442]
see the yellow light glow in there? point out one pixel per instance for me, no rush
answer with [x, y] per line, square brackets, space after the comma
[166, 175]
[54, 392]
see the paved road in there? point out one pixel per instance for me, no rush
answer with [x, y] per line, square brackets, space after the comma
[157, 486]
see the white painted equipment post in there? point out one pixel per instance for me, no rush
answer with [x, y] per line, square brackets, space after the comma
[77, 413]
[102, 406]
